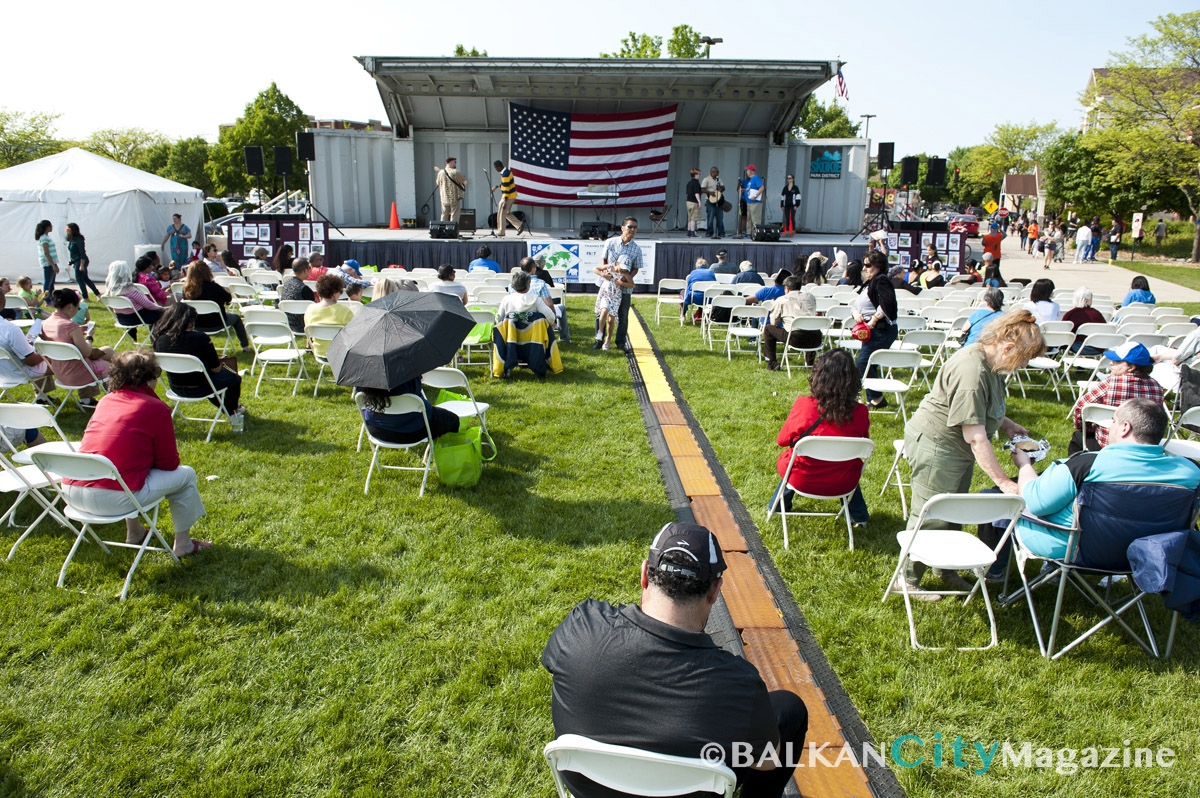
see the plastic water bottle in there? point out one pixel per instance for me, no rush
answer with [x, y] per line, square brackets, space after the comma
[237, 422]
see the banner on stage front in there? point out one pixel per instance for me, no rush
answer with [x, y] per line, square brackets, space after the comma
[579, 258]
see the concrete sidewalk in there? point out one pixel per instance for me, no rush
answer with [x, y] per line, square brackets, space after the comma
[1100, 276]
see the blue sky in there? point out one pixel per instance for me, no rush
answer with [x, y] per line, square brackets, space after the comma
[937, 75]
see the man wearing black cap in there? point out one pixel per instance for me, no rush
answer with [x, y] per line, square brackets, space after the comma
[649, 677]
[723, 265]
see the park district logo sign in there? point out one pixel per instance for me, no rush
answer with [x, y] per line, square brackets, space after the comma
[826, 163]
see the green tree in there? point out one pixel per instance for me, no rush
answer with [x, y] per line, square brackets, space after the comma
[820, 121]
[154, 158]
[271, 119]
[188, 162]
[685, 43]
[980, 172]
[124, 145]
[461, 51]
[1147, 112]
[638, 45]
[1022, 145]
[26, 137]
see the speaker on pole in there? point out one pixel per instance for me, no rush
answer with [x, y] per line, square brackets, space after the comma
[254, 161]
[935, 174]
[283, 161]
[306, 145]
[887, 154]
[908, 170]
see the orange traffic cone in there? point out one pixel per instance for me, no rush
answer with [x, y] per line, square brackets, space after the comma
[394, 224]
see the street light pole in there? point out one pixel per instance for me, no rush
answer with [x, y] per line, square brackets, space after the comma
[708, 42]
[868, 117]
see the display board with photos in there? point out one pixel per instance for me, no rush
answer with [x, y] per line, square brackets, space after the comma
[273, 231]
[908, 245]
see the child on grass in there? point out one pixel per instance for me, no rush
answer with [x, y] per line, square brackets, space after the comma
[608, 302]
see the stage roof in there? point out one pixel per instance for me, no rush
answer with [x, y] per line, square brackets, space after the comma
[714, 96]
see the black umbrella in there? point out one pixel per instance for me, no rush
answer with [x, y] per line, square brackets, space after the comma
[398, 338]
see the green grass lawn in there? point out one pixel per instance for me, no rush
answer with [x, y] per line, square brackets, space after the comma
[332, 643]
[1187, 276]
[336, 644]
[1101, 694]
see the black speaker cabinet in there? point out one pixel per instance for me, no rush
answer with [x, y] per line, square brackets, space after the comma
[306, 146]
[935, 174]
[283, 161]
[443, 229]
[908, 170]
[254, 161]
[887, 154]
[766, 232]
[596, 230]
[466, 219]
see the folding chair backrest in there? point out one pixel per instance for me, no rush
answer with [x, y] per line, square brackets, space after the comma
[259, 313]
[833, 448]
[294, 306]
[1166, 310]
[1135, 327]
[179, 363]
[80, 466]
[265, 278]
[894, 359]
[746, 312]
[839, 313]
[1149, 340]
[925, 338]
[1057, 326]
[910, 323]
[1104, 340]
[667, 285]
[1057, 340]
[713, 291]
[1092, 327]
[205, 307]
[267, 333]
[118, 304]
[728, 301]
[446, 377]
[398, 405]
[23, 415]
[15, 302]
[1111, 515]
[634, 771]
[142, 289]
[323, 332]
[820, 323]
[488, 294]
[971, 508]
[57, 350]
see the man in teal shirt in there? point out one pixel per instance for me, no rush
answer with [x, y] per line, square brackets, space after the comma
[1133, 454]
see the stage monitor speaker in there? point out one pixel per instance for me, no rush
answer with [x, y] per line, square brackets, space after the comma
[935, 174]
[466, 220]
[596, 230]
[283, 161]
[306, 146]
[908, 171]
[887, 154]
[443, 229]
[491, 220]
[254, 161]
[766, 232]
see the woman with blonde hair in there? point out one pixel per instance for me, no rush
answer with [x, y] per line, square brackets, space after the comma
[952, 429]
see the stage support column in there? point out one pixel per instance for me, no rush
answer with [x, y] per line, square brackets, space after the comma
[776, 176]
[405, 177]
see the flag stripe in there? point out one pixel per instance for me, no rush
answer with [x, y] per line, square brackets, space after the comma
[556, 155]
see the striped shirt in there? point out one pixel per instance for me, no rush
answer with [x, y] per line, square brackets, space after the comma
[508, 185]
[45, 239]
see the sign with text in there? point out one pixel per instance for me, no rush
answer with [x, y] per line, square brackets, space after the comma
[825, 164]
[581, 257]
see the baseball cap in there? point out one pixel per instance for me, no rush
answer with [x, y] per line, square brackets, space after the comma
[700, 547]
[751, 167]
[995, 225]
[352, 264]
[722, 253]
[1132, 353]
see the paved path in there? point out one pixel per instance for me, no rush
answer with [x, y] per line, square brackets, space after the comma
[1100, 276]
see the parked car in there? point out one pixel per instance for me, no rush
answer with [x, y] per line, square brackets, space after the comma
[976, 211]
[965, 223]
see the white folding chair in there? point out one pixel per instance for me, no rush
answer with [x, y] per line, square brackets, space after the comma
[404, 403]
[1091, 363]
[263, 313]
[29, 416]
[927, 343]
[1057, 326]
[1048, 364]
[711, 291]
[18, 377]
[174, 363]
[723, 302]
[119, 304]
[244, 294]
[745, 324]
[669, 294]
[1175, 328]
[87, 467]
[900, 484]
[206, 307]
[633, 771]
[274, 344]
[57, 350]
[484, 348]
[1092, 327]
[27, 481]
[888, 360]
[829, 448]
[953, 549]
[321, 332]
[451, 379]
[488, 294]
[1095, 413]
[820, 324]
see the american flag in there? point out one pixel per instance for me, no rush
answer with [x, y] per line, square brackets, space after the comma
[841, 86]
[556, 155]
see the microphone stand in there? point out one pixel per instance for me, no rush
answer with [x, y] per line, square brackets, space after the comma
[616, 186]
[737, 210]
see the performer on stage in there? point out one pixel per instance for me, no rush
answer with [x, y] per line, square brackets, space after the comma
[508, 198]
[715, 214]
[451, 186]
[790, 204]
[754, 200]
[692, 200]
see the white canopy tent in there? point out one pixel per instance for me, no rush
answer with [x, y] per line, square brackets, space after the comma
[116, 207]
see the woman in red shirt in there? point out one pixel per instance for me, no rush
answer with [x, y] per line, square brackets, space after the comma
[833, 410]
[132, 428]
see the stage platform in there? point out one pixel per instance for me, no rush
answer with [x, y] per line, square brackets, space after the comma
[674, 251]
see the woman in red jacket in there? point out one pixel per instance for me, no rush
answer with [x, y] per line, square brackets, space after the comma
[132, 428]
[834, 410]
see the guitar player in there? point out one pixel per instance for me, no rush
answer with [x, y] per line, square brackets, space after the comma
[715, 214]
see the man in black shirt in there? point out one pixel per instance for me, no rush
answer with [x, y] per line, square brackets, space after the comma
[649, 677]
[692, 197]
[293, 288]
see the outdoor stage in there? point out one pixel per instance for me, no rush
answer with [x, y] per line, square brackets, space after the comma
[675, 253]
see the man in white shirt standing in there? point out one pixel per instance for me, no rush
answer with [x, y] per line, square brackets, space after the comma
[1083, 238]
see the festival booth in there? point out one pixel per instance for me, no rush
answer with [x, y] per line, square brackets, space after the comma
[116, 207]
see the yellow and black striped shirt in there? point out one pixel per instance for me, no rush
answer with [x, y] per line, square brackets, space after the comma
[508, 185]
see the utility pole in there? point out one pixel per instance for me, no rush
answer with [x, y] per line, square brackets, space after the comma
[868, 117]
